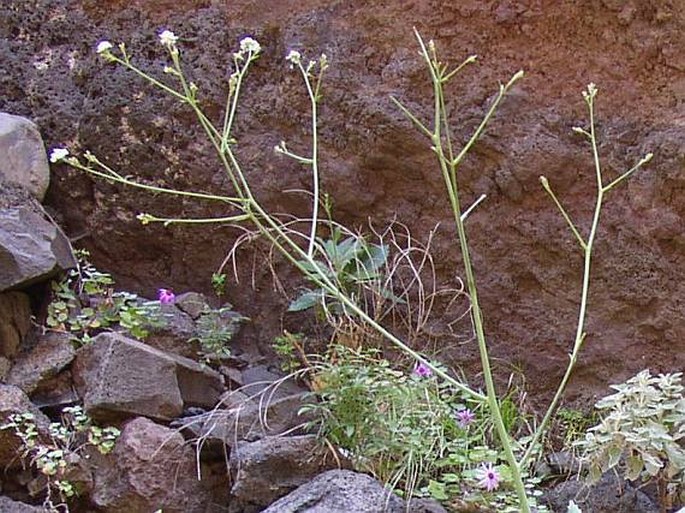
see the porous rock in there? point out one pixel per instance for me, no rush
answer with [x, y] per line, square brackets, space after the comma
[268, 469]
[339, 491]
[119, 376]
[15, 321]
[150, 468]
[53, 352]
[24, 161]
[32, 247]
[12, 401]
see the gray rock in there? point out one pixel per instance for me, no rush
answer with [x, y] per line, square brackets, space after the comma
[117, 376]
[609, 495]
[7, 505]
[243, 418]
[270, 468]
[150, 468]
[425, 506]
[15, 321]
[339, 491]
[53, 353]
[192, 303]
[24, 161]
[13, 400]
[175, 334]
[32, 247]
[260, 378]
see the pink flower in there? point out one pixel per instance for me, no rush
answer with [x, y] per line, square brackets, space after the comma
[465, 417]
[422, 370]
[166, 296]
[489, 477]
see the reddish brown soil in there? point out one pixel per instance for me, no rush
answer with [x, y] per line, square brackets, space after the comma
[376, 165]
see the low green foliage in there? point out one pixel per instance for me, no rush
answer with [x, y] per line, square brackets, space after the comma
[571, 425]
[219, 283]
[55, 455]
[353, 264]
[214, 329]
[641, 434]
[393, 425]
[289, 346]
[85, 303]
[409, 429]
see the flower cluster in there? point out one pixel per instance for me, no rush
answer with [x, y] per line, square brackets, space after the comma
[422, 370]
[168, 39]
[58, 154]
[166, 296]
[465, 417]
[249, 49]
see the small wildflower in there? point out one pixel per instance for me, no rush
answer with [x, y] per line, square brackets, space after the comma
[249, 45]
[168, 38]
[58, 154]
[144, 218]
[422, 370]
[166, 296]
[104, 47]
[294, 57]
[280, 148]
[465, 417]
[489, 477]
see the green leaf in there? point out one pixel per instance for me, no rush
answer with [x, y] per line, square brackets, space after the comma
[306, 301]
[614, 454]
[438, 490]
[634, 467]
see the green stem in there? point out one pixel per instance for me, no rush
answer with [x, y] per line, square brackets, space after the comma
[448, 166]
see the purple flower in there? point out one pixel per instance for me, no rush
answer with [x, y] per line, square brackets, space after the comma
[489, 477]
[465, 417]
[422, 370]
[166, 296]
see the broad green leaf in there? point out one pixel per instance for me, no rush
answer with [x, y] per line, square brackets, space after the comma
[306, 300]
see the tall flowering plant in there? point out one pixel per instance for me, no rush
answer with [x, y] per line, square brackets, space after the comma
[307, 257]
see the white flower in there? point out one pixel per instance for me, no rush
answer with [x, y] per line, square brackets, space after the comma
[294, 57]
[58, 154]
[103, 47]
[168, 38]
[249, 45]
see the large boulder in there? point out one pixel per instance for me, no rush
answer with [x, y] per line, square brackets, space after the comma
[51, 355]
[270, 468]
[117, 376]
[15, 321]
[24, 161]
[32, 247]
[339, 491]
[151, 468]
